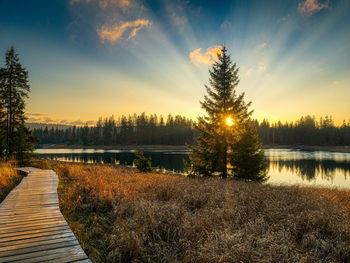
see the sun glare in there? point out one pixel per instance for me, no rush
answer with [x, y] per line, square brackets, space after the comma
[229, 121]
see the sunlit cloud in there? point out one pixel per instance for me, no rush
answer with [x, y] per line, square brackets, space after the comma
[45, 118]
[248, 73]
[309, 7]
[36, 114]
[262, 45]
[262, 67]
[105, 3]
[114, 33]
[208, 57]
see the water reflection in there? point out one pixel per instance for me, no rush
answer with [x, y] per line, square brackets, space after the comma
[308, 169]
[172, 161]
[285, 166]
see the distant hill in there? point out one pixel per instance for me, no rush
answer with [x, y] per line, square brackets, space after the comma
[32, 126]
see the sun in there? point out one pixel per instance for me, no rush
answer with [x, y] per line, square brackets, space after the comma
[229, 121]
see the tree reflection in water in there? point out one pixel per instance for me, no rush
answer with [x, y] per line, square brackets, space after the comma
[309, 169]
[307, 166]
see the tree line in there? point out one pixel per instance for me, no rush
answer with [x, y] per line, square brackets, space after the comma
[178, 130]
[305, 131]
[136, 129]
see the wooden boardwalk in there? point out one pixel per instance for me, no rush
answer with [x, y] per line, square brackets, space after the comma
[32, 228]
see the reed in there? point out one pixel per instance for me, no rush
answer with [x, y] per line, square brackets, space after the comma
[9, 178]
[121, 215]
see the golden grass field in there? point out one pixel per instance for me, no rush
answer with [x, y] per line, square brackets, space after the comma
[121, 215]
[9, 178]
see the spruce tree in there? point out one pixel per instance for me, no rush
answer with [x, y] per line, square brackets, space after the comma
[223, 126]
[247, 155]
[14, 89]
[2, 128]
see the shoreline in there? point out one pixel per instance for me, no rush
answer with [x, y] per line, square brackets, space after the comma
[340, 149]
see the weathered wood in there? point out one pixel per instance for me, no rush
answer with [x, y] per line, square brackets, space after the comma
[32, 228]
[53, 253]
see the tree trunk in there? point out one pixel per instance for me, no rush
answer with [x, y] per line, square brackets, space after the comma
[10, 118]
[224, 156]
[224, 166]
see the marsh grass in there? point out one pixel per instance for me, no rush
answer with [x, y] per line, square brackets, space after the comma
[9, 178]
[121, 215]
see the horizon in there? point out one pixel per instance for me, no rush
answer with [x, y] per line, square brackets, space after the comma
[92, 58]
[117, 119]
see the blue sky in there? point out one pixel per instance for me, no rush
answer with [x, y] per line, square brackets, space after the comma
[91, 58]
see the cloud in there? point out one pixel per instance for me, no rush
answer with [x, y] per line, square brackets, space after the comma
[116, 32]
[248, 73]
[36, 114]
[262, 67]
[262, 45]
[178, 20]
[44, 118]
[80, 123]
[209, 57]
[226, 25]
[309, 7]
[105, 3]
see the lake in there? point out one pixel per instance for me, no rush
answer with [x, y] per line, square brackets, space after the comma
[286, 166]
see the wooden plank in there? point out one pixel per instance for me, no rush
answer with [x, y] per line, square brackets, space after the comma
[30, 224]
[74, 256]
[73, 250]
[30, 236]
[17, 221]
[42, 230]
[32, 245]
[32, 228]
[5, 217]
[44, 247]
[36, 239]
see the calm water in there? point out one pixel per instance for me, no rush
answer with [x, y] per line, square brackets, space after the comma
[319, 168]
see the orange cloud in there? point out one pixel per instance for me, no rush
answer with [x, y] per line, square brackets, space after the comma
[41, 118]
[209, 57]
[115, 33]
[309, 7]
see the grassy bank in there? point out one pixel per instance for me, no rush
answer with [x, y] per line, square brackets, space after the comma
[120, 215]
[9, 178]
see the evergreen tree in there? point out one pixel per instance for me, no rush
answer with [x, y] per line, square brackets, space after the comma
[223, 126]
[247, 156]
[14, 89]
[2, 129]
[143, 163]
[23, 144]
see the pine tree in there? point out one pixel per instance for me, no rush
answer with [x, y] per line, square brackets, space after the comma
[247, 156]
[223, 125]
[14, 89]
[2, 129]
[23, 144]
[3, 121]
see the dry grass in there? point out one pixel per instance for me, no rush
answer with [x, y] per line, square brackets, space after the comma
[9, 178]
[120, 215]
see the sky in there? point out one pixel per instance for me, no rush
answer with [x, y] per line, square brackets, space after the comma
[96, 58]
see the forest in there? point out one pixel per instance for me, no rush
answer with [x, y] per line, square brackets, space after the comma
[152, 129]
[136, 129]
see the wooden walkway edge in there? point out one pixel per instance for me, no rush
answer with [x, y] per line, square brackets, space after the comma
[32, 228]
